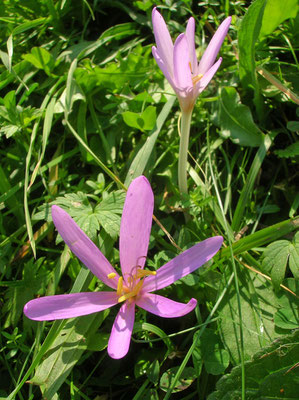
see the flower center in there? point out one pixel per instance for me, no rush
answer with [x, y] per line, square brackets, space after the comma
[134, 283]
[196, 78]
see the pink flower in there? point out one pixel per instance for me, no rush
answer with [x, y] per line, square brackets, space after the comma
[136, 285]
[178, 62]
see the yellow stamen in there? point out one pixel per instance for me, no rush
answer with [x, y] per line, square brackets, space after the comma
[119, 286]
[144, 272]
[111, 275]
[133, 293]
[196, 78]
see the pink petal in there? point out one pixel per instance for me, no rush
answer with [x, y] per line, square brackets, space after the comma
[183, 264]
[182, 71]
[119, 341]
[204, 81]
[213, 48]
[163, 40]
[83, 247]
[190, 35]
[163, 67]
[71, 305]
[135, 227]
[164, 307]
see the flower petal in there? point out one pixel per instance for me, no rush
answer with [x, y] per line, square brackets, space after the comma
[83, 247]
[164, 307]
[181, 66]
[163, 67]
[163, 40]
[135, 227]
[183, 264]
[190, 35]
[119, 341]
[71, 305]
[213, 48]
[204, 81]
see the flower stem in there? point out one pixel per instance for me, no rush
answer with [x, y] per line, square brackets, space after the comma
[184, 142]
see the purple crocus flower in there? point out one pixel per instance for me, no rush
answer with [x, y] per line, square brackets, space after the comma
[136, 284]
[178, 62]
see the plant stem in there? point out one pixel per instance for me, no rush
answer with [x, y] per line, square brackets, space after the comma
[184, 142]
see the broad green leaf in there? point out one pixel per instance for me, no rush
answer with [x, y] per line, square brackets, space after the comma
[98, 341]
[185, 380]
[144, 121]
[277, 11]
[236, 121]
[270, 374]
[247, 36]
[276, 257]
[258, 304]
[287, 316]
[213, 355]
[65, 352]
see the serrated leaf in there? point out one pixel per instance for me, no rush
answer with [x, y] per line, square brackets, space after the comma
[186, 379]
[106, 214]
[276, 257]
[291, 151]
[236, 121]
[258, 304]
[109, 211]
[270, 374]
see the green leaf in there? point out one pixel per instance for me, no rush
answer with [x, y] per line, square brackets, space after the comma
[287, 316]
[247, 36]
[291, 151]
[65, 352]
[153, 372]
[140, 161]
[276, 257]
[98, 341]
[270, 374]
[185, 380]
[258, 304]
[277, 11]
[144, 121]
[108, 212]
[236, 121]
[213, 355]
[41, 58]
